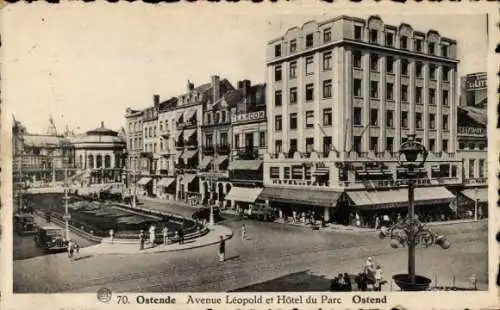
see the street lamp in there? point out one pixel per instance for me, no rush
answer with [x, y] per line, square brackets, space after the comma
[476, 200]
[66, 216]
[411, 231]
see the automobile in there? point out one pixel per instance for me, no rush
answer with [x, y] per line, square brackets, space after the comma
[128, 199]
[24, 223]
[203, 213]
[51, 238]
[261, 213]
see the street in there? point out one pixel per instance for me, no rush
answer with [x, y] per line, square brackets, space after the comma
[274, 257]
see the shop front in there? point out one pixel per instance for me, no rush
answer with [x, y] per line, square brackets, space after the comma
[166, 188]
[475, 202]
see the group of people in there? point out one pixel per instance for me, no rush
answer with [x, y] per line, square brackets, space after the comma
[370, 278]
[341, 283]
[179, 235]
[73, 249]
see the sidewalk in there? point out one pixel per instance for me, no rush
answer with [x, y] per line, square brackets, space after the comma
[132, 247]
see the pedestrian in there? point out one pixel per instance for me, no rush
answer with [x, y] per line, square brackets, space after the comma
[386, 220]
[76, 247]
[378, 278]
[165, 235]
[377, 222]
[111, 235]
[222, 249]
[70, 249]
[141, 240]
[294, 214]
[181, 236]
[243, 232]
[348, 284]
[152, 235]
[358, 220]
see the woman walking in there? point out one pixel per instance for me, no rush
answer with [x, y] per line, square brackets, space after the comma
[222, 249]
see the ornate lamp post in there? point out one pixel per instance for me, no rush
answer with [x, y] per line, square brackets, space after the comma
[411, 231]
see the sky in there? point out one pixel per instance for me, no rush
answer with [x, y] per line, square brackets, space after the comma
[84, 65]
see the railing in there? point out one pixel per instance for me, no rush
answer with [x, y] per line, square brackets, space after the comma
[208, 150]
[192, 144]
[179, 145]
[165, 133]
[223, 149]
[476, 181]
[246, 153]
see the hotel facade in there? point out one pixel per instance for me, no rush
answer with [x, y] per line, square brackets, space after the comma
[342, 95]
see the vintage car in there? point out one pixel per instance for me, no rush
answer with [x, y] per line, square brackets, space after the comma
[261, 212]
[51, 238]
[24, 223]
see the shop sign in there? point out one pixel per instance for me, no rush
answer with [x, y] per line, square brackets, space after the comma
[475, 82]
[472, 131]
[253, 116]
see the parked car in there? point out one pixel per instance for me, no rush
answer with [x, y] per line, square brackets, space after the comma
[261, 213]
[204, 214]
[51, 238]
[128, 199]
[24, 223]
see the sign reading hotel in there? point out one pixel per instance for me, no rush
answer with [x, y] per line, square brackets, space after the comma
[475, 81]
[471, 131]
[247, 117]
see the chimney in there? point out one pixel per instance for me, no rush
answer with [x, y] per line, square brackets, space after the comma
[216, 87]
[246, 88]
[156, 99]
[190, 86]
[240, 85]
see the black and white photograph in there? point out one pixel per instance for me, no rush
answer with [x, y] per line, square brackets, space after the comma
[161, 150]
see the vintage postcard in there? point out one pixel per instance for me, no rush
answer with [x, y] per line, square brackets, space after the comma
[249, 156]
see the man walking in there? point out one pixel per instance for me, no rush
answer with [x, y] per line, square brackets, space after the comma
[243, 232]
[181, 236]
[111, 235]
[165, 235]
[141, 240]
[222, 249]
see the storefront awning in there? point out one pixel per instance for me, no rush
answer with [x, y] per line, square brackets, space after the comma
[188, 154]
[188, 134]
[244, 194]
[245, 165]
[481, 194]
[178, 135]
[144, 181]
[178, 117]
[399, 197]
[205, 162]
[220, 159]
[165, 182]
[321, 171]
[189, 178]
[301, 196]
[189, 114]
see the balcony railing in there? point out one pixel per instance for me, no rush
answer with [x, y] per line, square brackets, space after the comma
[208, 150]
[246, 153]
[223, 149]
[188, 124]
[165, 133]
[179, 145]
[476, 181]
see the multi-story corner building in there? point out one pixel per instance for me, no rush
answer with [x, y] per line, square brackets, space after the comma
[472, 142]
[342, 96]
[249, 127]
[134, 145]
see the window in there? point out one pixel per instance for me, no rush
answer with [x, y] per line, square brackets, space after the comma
[404, 67]
[274, 172]
[472, 146]
[309, 65]
[432, 96]
[444, 50]
[389, 145]
[154, 147]
[358, 33]
[356, 59]
[472, 163]
[374, 144]
[293, 121]
[293, 145]
[404, 42]
[418, 95]
[481, 168]
[357, 116]
[309, 145]
[309, 40]
[390, 65]
[309, 119]
[277, 98]
[432, 121]
[418, 69]
[431, 48]
[286, 172]
[374, 117]
[327, 61]
[357, 144]
[445, 122]
[208, 140]
[373, 36]
[374, 63]
[297, 172]
[327, 89]
[357, 88]
[389, 114]
[161, 126]
[445, 145]
[327, 35]
[389, 39]
[390, 91]
[481, 146]
[309, 92]
[404, 93]
[327, 145]
[461, 146]
[277, 73]
[209, 118]
[278, 146]
[277, 123]
[262, 139]
[293, 95]
[446, 72]
[293, 46]
[432, 145]
[404, 119]
[327, 117]
[374, 89]
[223, 138]
[277, 50]
[418, 120]
[418, 45]
[432, 72]
[293, 69]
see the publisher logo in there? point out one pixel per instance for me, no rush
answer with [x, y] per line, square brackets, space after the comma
[104, 295]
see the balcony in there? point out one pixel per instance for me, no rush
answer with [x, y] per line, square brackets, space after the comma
[192, 144]
[476, 181]
[246, 153]
[223, 149]
[179, 146]
[208, 150]
[186, 125]
[165, 133]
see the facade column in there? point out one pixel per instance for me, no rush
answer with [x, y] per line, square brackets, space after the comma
[270, 106]
[411, 98]
[452, 143]
[425, 69]
[365, 138]
[382, 104]
[318, 96]
[346, 133]
[398, 102]
[439, 111]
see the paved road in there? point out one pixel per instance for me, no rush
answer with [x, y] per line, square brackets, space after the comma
[275, 257]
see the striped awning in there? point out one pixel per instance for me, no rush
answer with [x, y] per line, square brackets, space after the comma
[188, 134]
[205, 162]
[220, 159]
[188, 154]
[309, 197]
[178, 135]
[189, 114]
[189, 178]
[244, 194]
[144, 181]
[179, 116]
[245, 165]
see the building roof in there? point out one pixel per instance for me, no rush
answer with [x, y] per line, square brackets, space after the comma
[102, 131]
[32, 140]
[99, 135]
